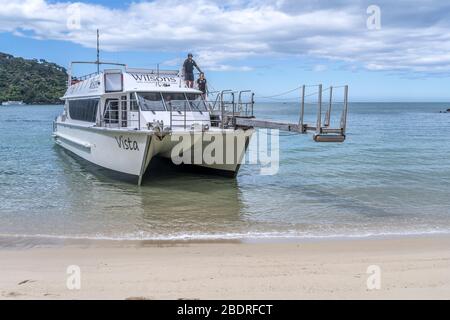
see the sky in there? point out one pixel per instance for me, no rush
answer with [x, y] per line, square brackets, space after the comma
[384, 50]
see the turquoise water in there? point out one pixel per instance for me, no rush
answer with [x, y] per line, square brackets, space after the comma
[391, 176]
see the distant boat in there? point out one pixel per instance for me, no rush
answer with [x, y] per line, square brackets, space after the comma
[13, 103]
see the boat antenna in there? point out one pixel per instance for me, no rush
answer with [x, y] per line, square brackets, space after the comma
[98, 52]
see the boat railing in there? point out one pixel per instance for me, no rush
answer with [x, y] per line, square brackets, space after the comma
[224, 109]
[246, 102]
[75, 80]
[212, 103]
[178, 114]
[126, 114]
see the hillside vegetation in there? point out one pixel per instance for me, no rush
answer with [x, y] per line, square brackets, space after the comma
[31, 81]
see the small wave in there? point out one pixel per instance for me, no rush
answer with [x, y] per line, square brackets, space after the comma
[226, 236]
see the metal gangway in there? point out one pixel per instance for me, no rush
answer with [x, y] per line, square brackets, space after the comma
[228, 112]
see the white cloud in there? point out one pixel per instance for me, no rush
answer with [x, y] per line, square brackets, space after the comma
[223, 33]
[320, 68]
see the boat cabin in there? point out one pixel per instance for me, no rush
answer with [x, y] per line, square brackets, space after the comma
[135, 99]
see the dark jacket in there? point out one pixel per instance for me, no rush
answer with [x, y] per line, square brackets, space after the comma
[188, 66]
[202, 85]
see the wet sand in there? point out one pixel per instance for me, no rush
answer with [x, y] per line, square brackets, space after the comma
[411, 268]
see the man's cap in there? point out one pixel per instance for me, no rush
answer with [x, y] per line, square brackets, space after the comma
[190, 55]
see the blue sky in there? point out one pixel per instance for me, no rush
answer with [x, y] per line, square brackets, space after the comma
[267, 46]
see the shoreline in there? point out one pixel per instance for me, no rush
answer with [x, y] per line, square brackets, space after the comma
[55, 241]
[411, 268]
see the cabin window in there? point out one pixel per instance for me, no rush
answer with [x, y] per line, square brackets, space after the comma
[83, 110]
[176, 102]
[151, 101]
[113, 81]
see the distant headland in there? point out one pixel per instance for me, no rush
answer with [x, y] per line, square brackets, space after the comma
[32, 81]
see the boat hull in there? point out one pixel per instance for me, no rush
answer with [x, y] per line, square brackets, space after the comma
[130, 151]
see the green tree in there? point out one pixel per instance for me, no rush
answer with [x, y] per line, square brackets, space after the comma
[32, 81]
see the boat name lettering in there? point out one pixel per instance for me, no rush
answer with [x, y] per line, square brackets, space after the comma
[152, 79]
[127, 143]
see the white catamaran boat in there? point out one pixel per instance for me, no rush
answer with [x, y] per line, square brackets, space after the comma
[122, 118]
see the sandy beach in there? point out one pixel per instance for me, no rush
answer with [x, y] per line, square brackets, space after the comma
[410, 268]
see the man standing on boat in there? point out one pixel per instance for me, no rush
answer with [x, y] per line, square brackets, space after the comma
[188, 70]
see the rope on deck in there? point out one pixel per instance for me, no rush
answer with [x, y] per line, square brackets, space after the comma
[274, 97]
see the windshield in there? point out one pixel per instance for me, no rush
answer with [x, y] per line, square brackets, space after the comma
[197, 102]
[175, 101]
[151, 101]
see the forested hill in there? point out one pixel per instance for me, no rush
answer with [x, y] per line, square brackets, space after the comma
[31, 81]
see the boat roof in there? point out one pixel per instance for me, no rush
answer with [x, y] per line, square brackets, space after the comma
[116, 81]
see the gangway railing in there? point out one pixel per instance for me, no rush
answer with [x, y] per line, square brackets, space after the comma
[322, 127]
[245, 108]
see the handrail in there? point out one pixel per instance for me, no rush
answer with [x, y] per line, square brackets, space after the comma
[345, 111]
[323, 129]
[229, 109]
[215, 101]
[251, 103]
[302, 110]
[84, 77]
[138, 107]
[171, 117]
[319, 111]
[328, 114]
[69, 81]
[188, 104]
[222, 104]
[118, 111]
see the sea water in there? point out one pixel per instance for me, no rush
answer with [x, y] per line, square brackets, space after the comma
[390, 177]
